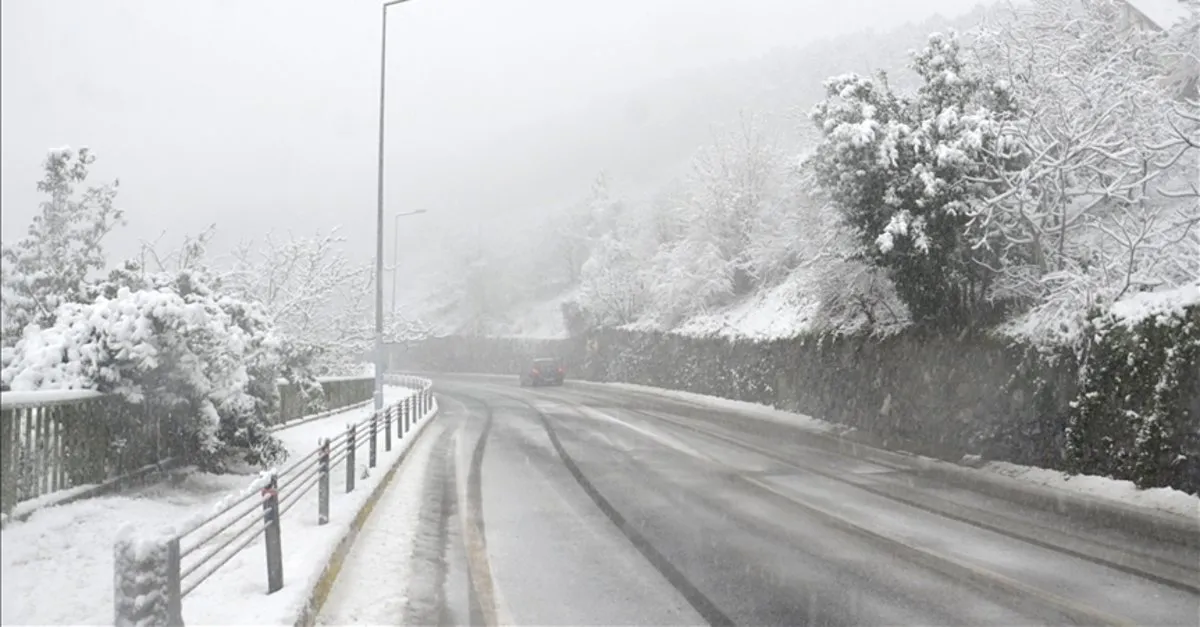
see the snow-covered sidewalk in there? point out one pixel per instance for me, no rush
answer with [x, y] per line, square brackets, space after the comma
[372, 587]
[57, 567]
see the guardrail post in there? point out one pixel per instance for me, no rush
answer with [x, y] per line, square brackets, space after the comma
[146, 581]
[407, 407]
[323, 485]
[273, 541]
[374, 439]
[174, 584]
[387, 428]
[352, 446]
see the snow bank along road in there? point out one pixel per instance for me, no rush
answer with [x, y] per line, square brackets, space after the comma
[590, 505]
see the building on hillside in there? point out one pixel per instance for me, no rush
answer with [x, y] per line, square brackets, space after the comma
[1162, 16]
[1158, 15]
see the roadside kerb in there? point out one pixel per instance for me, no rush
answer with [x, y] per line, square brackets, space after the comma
[324, 582]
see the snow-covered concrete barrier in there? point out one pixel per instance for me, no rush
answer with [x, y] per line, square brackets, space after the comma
[146, 583]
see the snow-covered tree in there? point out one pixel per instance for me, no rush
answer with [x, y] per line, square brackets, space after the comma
[578, 229]
[1106, 203]
[734, 192]
[694, 246]
[401, 328]
[613, 288]
[62, 248]
[909, 173]
[316, 296]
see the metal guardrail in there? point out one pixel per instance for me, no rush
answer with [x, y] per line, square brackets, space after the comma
[153, 579]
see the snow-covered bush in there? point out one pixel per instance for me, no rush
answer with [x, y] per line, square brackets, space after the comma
[1132, 418]
[205, 361]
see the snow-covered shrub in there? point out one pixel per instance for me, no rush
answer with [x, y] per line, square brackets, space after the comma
[204, 360]
[1132, 418]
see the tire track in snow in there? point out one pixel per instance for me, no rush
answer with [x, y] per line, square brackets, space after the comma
[697, 599]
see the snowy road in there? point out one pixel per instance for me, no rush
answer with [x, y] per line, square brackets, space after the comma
[589, 505]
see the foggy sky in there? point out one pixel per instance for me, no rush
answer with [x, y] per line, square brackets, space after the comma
[256, 115]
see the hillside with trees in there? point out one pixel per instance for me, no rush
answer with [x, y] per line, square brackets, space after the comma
[994, 251]
[1020, 174]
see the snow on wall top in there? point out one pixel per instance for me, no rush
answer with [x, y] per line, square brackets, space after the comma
[26, 398]
[1143, 305]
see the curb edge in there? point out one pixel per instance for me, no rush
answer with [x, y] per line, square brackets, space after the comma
[323, 584]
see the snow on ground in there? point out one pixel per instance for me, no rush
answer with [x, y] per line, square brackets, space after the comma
[742, 407]
[47, 500]
[58, 565]
[1160, 499]
[781, 312]
[371, 587]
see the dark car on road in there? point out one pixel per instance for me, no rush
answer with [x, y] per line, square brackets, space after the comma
[543, 371]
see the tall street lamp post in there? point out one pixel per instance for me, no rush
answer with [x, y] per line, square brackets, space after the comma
[379, 357]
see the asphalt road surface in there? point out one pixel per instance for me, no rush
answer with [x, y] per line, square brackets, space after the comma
[592, 505]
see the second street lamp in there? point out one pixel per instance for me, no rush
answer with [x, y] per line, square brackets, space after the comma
[396, 252]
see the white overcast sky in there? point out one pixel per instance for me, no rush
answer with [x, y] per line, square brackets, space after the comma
[257, 114]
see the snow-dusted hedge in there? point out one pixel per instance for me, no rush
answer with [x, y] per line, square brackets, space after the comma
[1136, 415]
